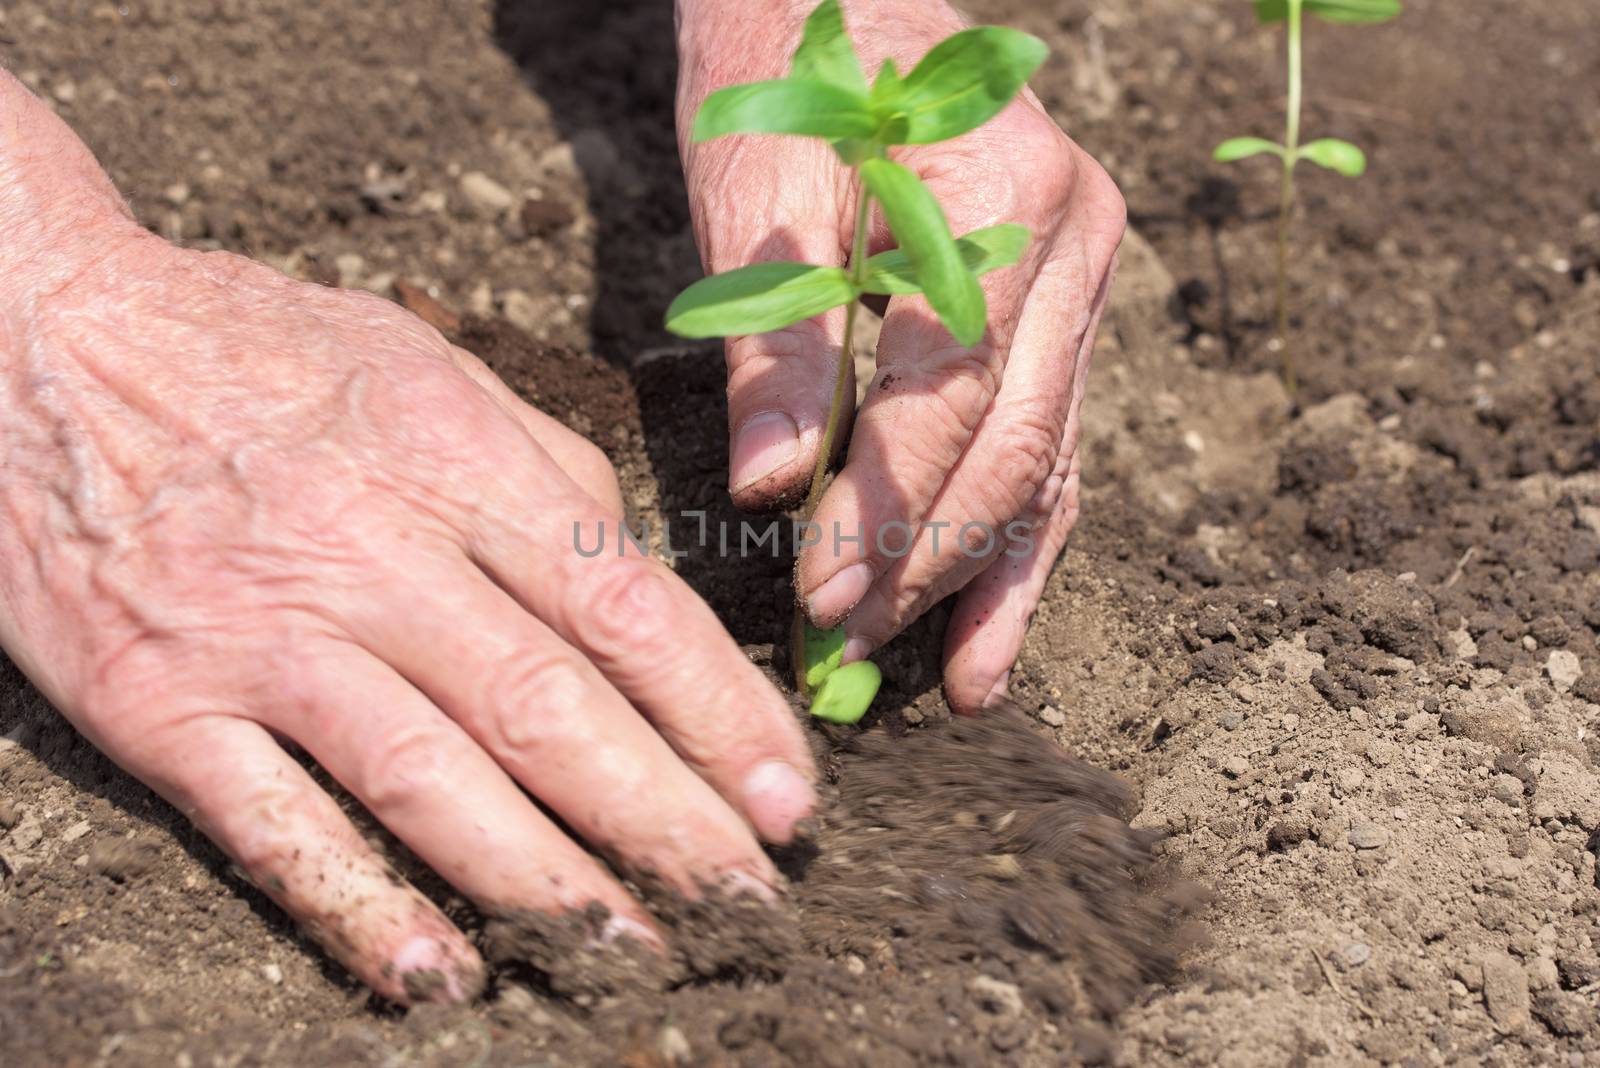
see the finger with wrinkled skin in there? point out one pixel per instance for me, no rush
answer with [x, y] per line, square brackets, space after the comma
[294, 843]
[652, 638]
[991, 617]
[423, 777]
[1031, 427]
[550, 719]
[990, 622]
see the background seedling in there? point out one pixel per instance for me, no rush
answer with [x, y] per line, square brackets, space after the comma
[962, 83]
[1327, 152]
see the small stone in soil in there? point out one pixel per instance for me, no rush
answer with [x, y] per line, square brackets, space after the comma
[1004, 866]
[1235, 767]
[542, 218]
[485, 195]
[1563, 668]
[520, 309]
[122, 859]
[1355, 954]
[1350, 780]
[673, 1046]
[1230, 721]
[1364, 834]
[1505, 991]
[1507, 789]
[1286, 834]
[8, 814]
[1001, 998]
[1052, 716]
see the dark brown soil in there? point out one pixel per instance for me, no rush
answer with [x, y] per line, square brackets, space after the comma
[1346, 653]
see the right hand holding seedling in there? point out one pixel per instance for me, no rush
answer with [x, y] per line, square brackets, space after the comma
[239, 508]
[948, 433]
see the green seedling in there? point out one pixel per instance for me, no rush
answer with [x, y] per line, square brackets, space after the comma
[1329, 152]
[962, 83]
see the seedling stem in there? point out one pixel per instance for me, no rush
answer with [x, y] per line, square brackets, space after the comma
[1291, 141]
[830, 432]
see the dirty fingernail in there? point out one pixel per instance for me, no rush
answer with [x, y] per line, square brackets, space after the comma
[856, 649]
[739, 883]
[430, 972]
[618, 928]
[776, 796]
[1000, 691]
[764, 444]
[834, 598]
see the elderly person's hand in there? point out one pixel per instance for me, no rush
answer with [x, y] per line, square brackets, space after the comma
[947, 435]
[238, 508]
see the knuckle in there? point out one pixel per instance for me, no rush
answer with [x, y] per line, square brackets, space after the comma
[411, 766]
[629, 611]
[257, 841]
[1104, 202]
[905, 603]
[588, 466]
[1051, 174]
[960, 384]
[795, 351]
[1025, 451]
[531, 701]
[440, 414]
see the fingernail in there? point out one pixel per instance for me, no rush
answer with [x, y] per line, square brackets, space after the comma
[741, 883]
[430, 972]
[764, 444]
[833, 599]
[776, 797]
[1000, 691]
[1046, 498]
[619, 927]
[856, 649]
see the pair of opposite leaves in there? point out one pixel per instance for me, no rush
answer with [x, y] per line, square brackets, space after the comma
[1329, 152]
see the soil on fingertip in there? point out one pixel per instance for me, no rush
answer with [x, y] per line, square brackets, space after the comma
[1342, 654]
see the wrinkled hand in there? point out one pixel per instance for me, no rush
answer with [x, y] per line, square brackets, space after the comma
[947, 435]
[238, 507]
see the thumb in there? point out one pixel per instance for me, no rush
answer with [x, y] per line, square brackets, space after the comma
[767, 200]
[780, 388]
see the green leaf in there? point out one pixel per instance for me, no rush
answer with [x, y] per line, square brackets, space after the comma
[846, 694]
[887, 89]
[891, 274]
[1268, 11]
[758, 298]
[1237, 148]
[787, 106]
[824, 650]
[919, 226]
[965, 81]
[1336, 155]
[825, 53]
